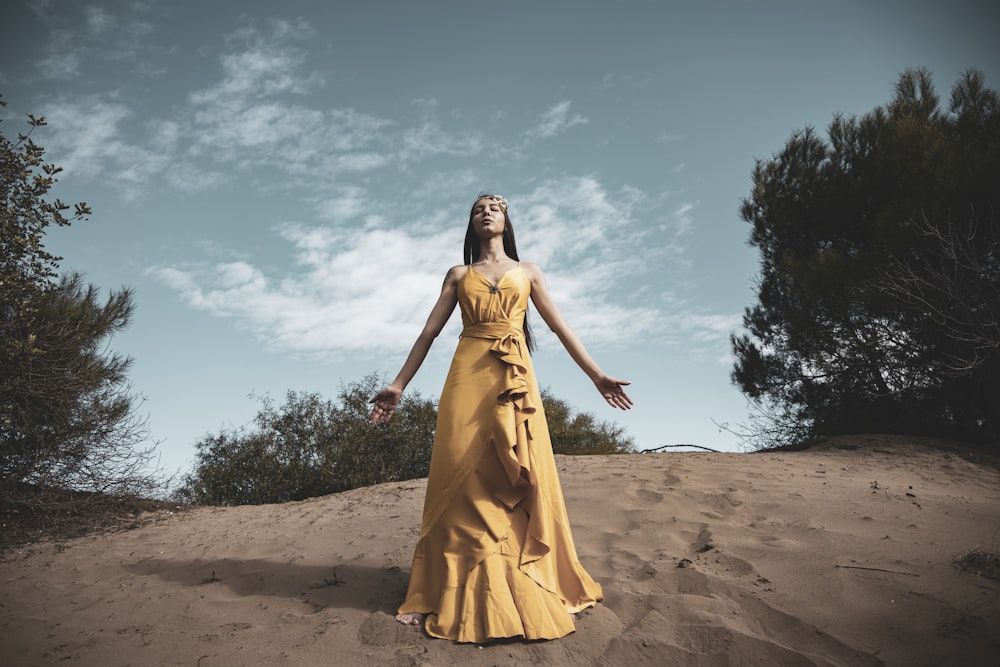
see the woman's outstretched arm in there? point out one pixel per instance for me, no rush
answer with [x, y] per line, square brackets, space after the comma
[611, 388]
[387, 399]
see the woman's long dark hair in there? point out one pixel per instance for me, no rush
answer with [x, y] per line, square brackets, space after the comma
[472, 249]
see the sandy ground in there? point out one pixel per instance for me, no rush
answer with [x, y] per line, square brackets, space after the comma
[840, 555]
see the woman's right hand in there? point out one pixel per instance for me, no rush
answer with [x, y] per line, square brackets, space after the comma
[385, 404]
[613, 391]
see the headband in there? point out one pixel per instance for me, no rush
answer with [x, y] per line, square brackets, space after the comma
[497, 198]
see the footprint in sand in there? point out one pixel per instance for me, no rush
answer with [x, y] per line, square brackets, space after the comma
[670, 480]
[707, 554]
[703, 543]
[647, 496]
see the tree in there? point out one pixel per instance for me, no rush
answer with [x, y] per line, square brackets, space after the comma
[581, 433]
[311, 447]
[25, 266]
[878, 293]
[67, 416]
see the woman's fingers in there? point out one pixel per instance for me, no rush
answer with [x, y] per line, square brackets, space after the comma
[385, 402]
[382, 411]
[614, 393]
[619, 400]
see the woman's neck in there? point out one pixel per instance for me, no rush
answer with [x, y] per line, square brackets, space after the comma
[491, 251]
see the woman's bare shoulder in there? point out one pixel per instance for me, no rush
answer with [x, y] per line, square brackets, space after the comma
[533, 270]
[456, 273]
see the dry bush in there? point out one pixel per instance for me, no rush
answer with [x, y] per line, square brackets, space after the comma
[980, 563]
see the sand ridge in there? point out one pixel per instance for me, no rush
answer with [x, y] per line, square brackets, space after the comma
[838, 555]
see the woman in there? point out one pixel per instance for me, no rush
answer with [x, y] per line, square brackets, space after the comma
[495, 557]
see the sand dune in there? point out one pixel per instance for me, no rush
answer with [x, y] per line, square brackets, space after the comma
[839, 555]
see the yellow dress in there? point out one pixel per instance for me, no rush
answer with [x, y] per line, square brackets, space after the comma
[495, 557]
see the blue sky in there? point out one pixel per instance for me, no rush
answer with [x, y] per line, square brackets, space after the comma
[285, 184]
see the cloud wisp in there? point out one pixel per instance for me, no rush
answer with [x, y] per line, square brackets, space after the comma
[555, 120]
[261, 114]
[338, 299]
[79, 45]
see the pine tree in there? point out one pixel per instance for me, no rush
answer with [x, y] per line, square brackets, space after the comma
[878, 298]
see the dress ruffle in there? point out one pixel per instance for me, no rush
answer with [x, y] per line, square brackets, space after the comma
[499, 600]
[512, 431]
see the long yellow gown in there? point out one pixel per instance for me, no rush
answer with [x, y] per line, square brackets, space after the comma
[495, 557]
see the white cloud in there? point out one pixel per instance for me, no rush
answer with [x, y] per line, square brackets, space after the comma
[246, 120]
[261, 65]
[93, 37]
[90, 138]
[366, 288]
[97, 20]
[567, 219]
[350, 130]
[427, 105]
[349, 202]
[238, 117]
[247, 116]
[237, 126]
[369, 288]
[165, 135]
[682, 217]
[710, 327]
[671, 137]
[86, 134]
[429, 139]
[555, 121]
[356, 291]
[258, 116]
[60, 65]
[188, 176]
[356, 162]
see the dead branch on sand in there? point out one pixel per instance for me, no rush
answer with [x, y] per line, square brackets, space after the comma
[874, 569]
[656, 449]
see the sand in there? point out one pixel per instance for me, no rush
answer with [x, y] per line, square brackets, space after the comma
[843, 554]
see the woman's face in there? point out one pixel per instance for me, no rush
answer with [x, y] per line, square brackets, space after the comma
[487, 218]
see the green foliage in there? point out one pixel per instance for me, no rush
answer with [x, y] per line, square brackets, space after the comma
[312, 447]
[879, 301]
[66, 412]
[581, 433]
[25, 266]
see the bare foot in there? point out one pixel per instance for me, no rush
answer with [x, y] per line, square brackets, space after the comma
[410, 618]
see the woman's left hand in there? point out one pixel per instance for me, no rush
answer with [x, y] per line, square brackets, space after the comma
[612, 391]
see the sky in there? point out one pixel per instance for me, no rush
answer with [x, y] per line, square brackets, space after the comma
[284, 185]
